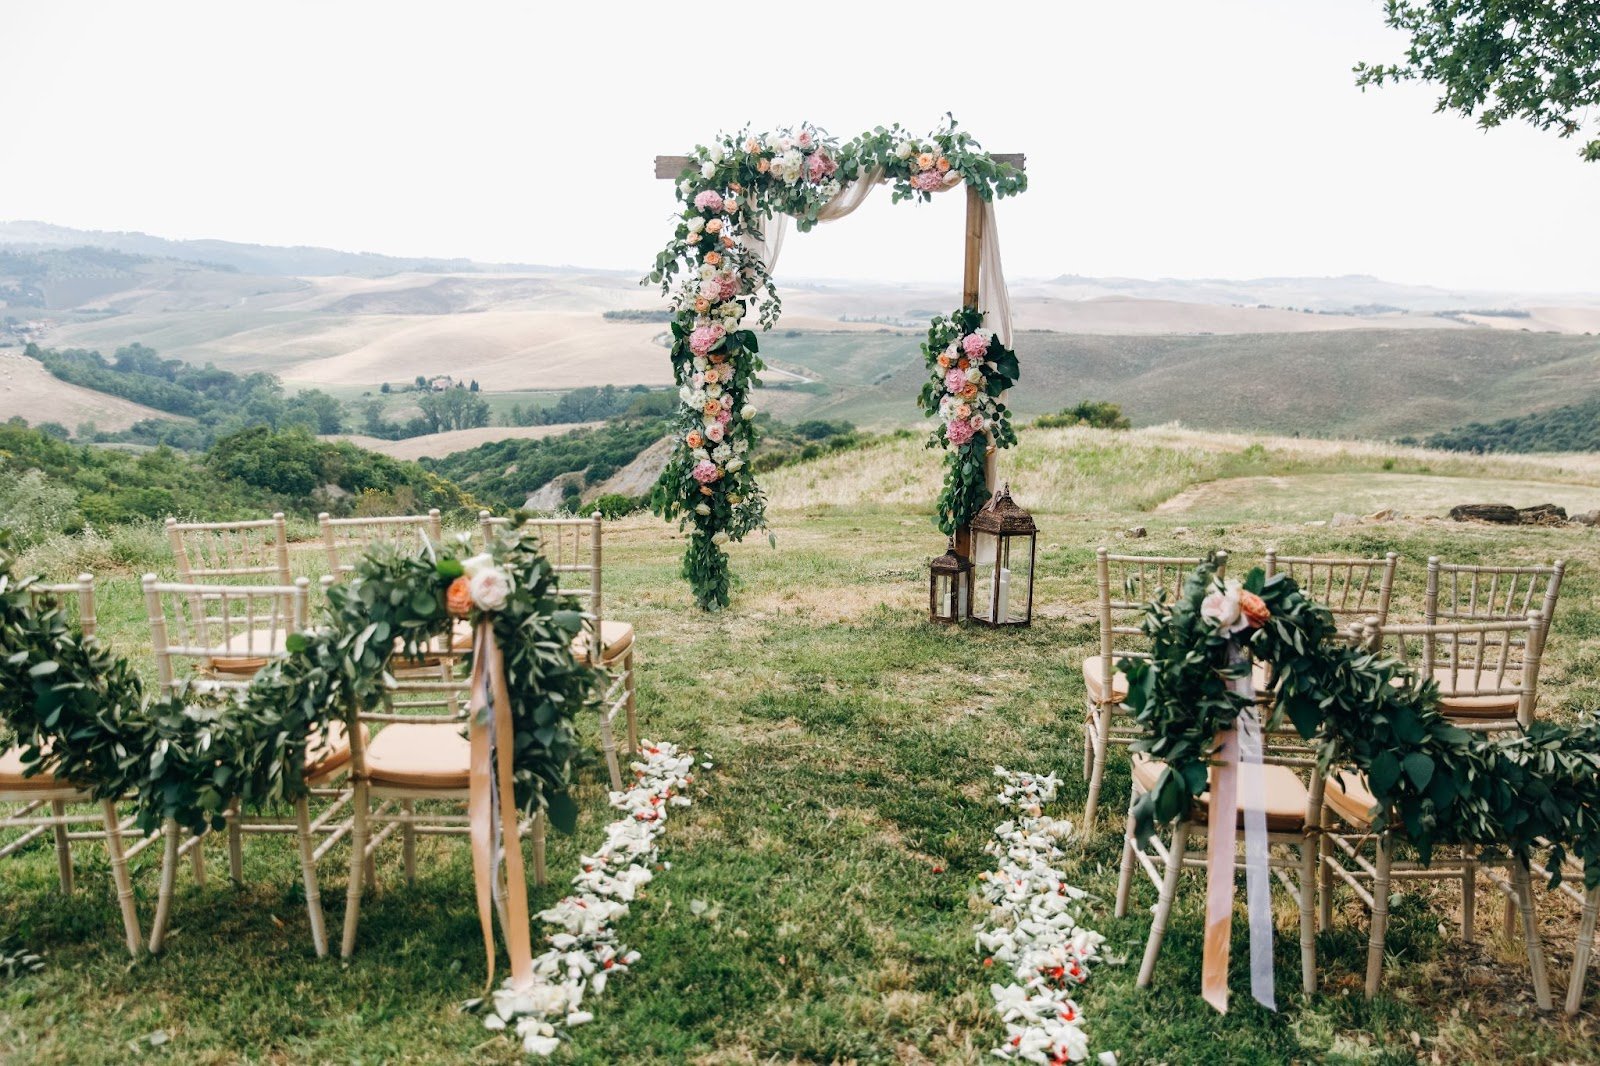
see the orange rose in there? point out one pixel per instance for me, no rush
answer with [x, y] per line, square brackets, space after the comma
[712, 409]
[962, 364]
[925, 161]
[701, 305]
[712, 375]
[763, 164]
[735, 186]
[944, 361]
[714, 226]
[970, 392]
[727, 241]
[944, 164]
[694, 439]
[713, 258]
[1254, 609]
[458, 598]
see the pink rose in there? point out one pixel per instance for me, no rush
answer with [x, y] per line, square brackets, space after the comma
[699, 381]
[928, 181]
[974, 345]
[705, 472]
[708, 200]
[977, 423]
[727, 400]
[705, 338]
[955, 380]
[958, 433]
[729, 285]
[821, 166]
[714, 431]
[725, 416]
[804, 140]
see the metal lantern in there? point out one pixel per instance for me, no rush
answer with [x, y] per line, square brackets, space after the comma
[1004, 544]
[949, 587]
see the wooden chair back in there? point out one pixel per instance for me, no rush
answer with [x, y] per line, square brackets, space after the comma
[573, 547]
[1126, 584]
[1459, 592]
[1472, 660]
[77, 595]
[1352, 589]
[437, 700]
[345, 539]
[215, 552]
[229, 631]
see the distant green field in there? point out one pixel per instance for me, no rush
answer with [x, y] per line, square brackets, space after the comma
[403, 405]
[1349, 383]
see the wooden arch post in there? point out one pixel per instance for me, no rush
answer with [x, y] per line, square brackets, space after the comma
[671, 168]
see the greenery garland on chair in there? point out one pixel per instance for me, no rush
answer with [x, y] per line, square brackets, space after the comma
[967, 375]
[81, 712]
[1368, 714]
[728, 192]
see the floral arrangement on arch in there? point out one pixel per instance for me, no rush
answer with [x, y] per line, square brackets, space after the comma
[715, 278]
[967, 375]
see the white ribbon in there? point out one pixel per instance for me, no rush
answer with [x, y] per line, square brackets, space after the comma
[1257, 873]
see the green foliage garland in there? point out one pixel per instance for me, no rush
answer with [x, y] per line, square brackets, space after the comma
[81, 712]
[1368, 714]
[714, 278]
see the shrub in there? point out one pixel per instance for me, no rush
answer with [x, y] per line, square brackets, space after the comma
[1097, 414]
[616, 505]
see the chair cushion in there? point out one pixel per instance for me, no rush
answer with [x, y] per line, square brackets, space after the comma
[249, 652]
[1094, 678]
[1464, 704]
[420, 755]
[11, 779]
[323, 756]
[1286, 794]
[1350, 798]
[617, 636]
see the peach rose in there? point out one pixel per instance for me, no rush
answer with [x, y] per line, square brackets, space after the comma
[1254, 609]
[763, 164]
[693, 438]
[727, 241]
[705, 490]
[712, 409]
[701, 305]
[713, 258]
[458, 597]
[970, 392]
[943, 164]
[963, 410]
[712, 376]
[714, 226]
[944, 361]
[925, 161]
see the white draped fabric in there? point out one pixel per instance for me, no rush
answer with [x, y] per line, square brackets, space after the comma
[993, 299]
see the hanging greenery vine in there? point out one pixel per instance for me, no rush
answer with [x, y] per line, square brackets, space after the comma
[81, 713]
[1369, 715]
[715, 278]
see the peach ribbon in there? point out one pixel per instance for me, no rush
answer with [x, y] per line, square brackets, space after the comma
[492, 810]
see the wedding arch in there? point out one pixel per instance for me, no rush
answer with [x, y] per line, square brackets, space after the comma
[738, 195]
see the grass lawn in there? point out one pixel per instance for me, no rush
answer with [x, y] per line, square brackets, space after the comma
[837, 842]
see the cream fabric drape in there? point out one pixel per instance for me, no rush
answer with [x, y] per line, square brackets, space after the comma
[993, 299]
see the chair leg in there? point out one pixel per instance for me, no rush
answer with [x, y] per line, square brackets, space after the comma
[169, 877]
[235, 846]
[58, 810]
[1508, 918]
[1584, 951]
[1521, 882]
[1097, 773]
[1380, 914]
[633, 709]
[608, 743]
[1088, 742]
[541, 876]
[408, 840]
[119, 878]
[1324, 877]
[1169, 890]
[197, 859]
[1469, 901]
[1310, 863]
[308, 875]
[1125, 871]
[358, 864]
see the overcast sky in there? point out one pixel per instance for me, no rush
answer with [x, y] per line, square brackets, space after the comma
[1172, 139]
